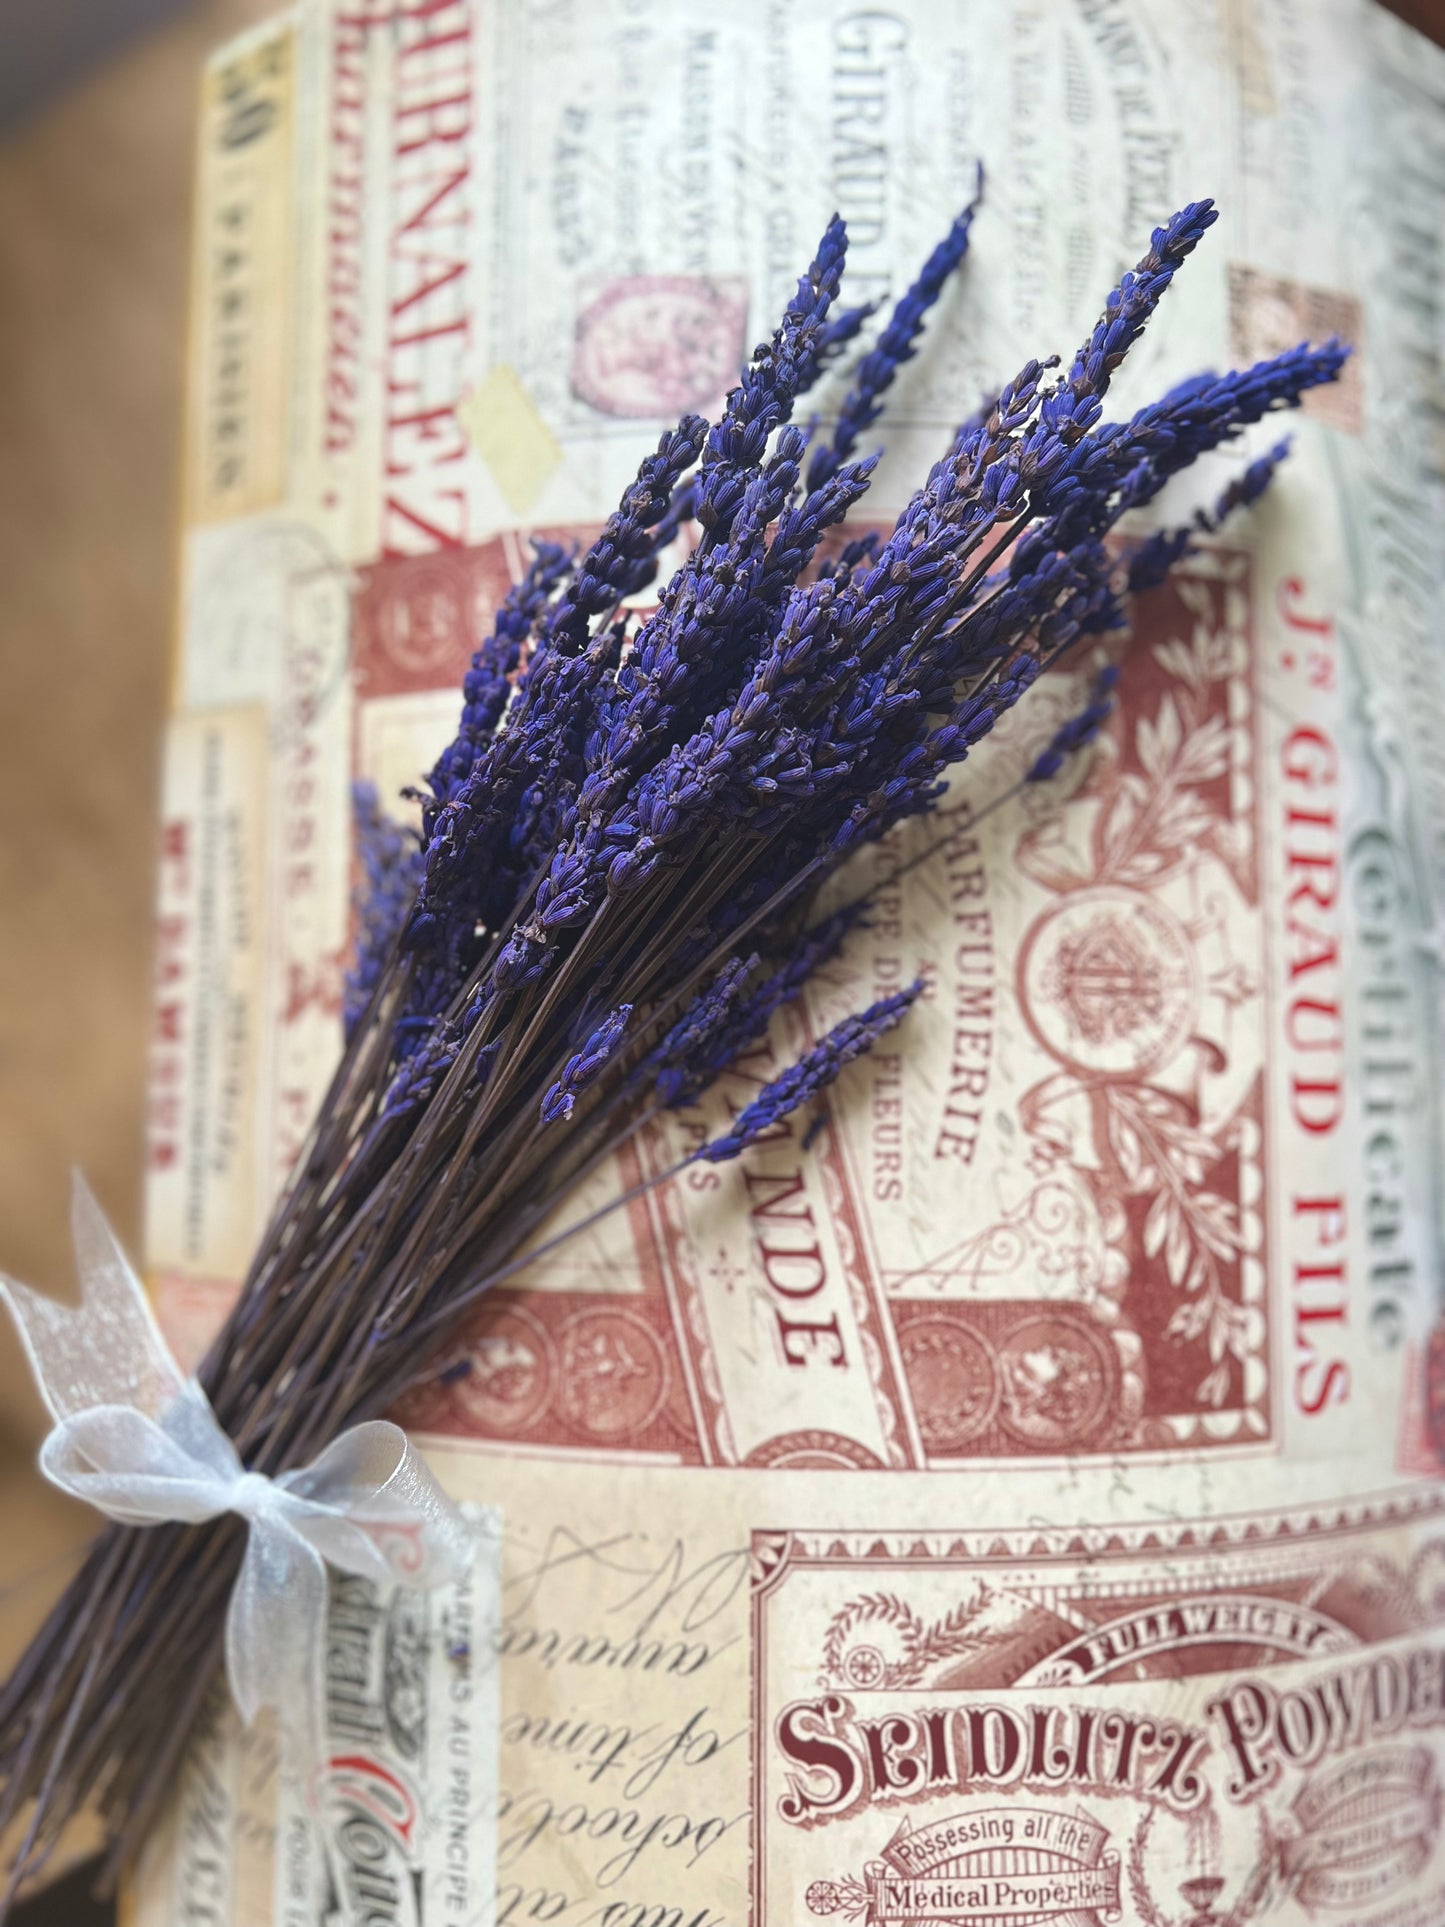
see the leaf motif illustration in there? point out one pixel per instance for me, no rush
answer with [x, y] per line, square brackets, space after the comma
[1156, 1223]
[1203, 755]
[1184, 818]
[1197, 599]
[1213, 1386]
[1177, 658]
[1118, 822]
[1158, 741]
[1187, 1140]
[1143, 867]
[1218, 1339]
[1177, 1248]
[1216, 1223]
[1046, 855]
[1128, 1148]
[1188, 1320]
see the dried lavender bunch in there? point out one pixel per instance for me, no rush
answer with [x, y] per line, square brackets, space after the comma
[613, 893]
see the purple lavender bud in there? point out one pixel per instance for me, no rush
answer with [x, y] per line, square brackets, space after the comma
[1080, 730]
[1152, 559]
[862, 406]
[682, 508]
[843, 326]
[488, 683]
[1075, 404]
[580, 1069]
[735, 1020]
[838, 569]
[675, 1063]
[391, 869]
[621, 560]
[764, 398]
[1247, 488]
[812, 1073]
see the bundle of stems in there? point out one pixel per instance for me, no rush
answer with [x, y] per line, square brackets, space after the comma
[612, 894]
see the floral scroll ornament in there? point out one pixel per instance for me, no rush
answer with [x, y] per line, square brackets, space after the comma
[876, 1642]
[1111, 982]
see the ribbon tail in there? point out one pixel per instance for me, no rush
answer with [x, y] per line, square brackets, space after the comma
[276, 1638]
[108, 1350]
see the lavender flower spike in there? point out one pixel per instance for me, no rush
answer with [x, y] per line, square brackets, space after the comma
[1157, 554]
[675, 1062]
[390, 856]
[1076, 403]
[1246, 488]
[622, 559]
[862, 406]
[561, 1099]
[770, 384]
[1080, 730]
[751, 1010]
[488, 683]
[812, 1073]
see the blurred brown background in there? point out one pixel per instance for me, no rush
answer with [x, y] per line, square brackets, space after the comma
[95, 181]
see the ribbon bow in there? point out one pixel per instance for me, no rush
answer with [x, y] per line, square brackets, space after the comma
[140, 1442]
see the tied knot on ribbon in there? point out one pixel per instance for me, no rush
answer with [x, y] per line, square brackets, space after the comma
[139, 1441]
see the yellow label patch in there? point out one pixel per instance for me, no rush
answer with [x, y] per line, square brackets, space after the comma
[503, 426]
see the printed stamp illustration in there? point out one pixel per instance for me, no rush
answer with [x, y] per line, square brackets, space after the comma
[659, 344]
[1086, 1094]
[1183, 1726]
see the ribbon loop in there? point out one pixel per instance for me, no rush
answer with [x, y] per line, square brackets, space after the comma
[139, 1441]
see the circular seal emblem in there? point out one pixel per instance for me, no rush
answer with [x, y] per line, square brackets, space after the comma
[813, 1451]
[954, 1378]
[864, 1666]
[423, 621]
[614, 1374]
[1058, 1382]
[659, 344]
[1108, 983]
[513, 1369]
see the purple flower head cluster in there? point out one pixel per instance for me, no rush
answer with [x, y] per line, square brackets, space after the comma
[676, 1064]
[638, 812]
[488, 683]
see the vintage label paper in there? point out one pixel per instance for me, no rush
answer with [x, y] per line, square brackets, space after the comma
[1157, 1725]
[1008, 1495]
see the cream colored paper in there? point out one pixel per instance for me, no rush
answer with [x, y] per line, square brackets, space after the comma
[1061, 1404]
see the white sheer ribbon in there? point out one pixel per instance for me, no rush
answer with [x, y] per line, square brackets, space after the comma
[139, 1441]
